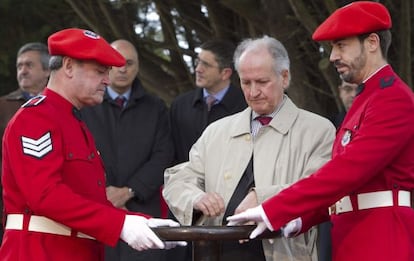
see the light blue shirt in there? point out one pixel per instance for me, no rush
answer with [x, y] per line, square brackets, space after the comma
[113, 94]
[219, 96]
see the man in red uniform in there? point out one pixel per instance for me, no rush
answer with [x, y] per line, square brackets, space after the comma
[53, 177]
[371, 174]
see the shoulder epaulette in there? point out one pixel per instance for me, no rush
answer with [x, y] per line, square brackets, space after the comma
[34, 101]
[387, 81]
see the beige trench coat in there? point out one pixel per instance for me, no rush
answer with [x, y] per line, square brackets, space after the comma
[295, 144]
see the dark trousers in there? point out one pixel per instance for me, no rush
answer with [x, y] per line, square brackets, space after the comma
[233, 250]
[324, 243]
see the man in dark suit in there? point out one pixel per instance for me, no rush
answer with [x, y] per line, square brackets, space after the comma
[190, 112]
[132, 134]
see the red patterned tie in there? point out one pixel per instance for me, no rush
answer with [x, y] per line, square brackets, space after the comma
[264, 120]
[120, 100]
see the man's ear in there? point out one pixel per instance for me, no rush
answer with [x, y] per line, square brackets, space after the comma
[226, 73]
[373, 42]
[285, 78]
[67, 66]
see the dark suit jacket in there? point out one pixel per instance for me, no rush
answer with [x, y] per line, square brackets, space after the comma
[135, 145]
[9, 105]
[189, 117]
[338, 118]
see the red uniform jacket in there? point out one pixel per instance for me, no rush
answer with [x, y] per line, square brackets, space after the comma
[51, 168]
[378, 155]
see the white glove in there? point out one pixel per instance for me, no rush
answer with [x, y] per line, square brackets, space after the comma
[138, 235]
[158, 222]
[292, 228]
[257, 215]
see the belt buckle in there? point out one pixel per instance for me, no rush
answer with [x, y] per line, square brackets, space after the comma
[332, 209]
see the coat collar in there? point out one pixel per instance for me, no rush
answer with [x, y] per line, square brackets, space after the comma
[282, 122]
[16, 95]
[137, 91]
[233, 94]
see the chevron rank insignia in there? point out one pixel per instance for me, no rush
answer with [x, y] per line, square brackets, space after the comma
[34, 101]
[387, 81]
[37, 148]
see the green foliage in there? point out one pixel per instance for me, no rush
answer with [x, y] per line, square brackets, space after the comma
[27, 21]
[182, 25]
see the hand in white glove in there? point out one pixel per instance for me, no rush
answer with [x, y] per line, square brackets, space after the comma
[292, 228]
[257, 215]
[138, 235]
[158, 222]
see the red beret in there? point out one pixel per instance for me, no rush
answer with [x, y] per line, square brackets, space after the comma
[354, 19]
[84, 45]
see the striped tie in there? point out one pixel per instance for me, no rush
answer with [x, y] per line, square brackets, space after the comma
[210, 100]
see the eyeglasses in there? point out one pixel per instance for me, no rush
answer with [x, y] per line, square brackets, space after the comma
[204, 64]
